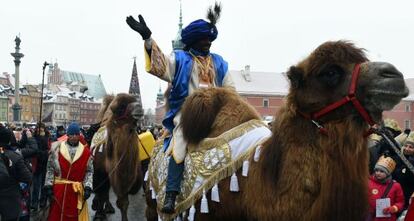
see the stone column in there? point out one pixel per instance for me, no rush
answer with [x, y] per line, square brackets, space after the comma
[17, 56]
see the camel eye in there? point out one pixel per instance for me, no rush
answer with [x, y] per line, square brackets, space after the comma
[331, 76]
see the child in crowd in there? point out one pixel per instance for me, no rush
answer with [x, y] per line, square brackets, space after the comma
[383, 188]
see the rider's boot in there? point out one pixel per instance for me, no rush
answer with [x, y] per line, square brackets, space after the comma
[169, 202]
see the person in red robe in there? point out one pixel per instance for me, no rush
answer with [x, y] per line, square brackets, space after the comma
[81, 139]
[68, 181]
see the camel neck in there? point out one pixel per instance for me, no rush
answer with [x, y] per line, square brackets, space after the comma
[324, 173]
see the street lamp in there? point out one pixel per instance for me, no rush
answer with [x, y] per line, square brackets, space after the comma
[41, 95]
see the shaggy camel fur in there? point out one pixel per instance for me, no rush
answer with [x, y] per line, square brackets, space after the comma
[121, 159]
[303, 174]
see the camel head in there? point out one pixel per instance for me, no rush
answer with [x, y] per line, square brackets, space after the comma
[124, 108]
[325, 76]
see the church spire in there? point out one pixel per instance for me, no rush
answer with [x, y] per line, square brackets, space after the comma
[177, 44]
[134, 83]
[180, 24]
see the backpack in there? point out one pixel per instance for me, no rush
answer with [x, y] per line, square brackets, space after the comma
[5, 165]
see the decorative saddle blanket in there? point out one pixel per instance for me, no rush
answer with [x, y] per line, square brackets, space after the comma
[213, 160]
[146, 143]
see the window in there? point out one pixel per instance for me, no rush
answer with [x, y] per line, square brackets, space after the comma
[407, 124]
[407, 108]
[266, 103]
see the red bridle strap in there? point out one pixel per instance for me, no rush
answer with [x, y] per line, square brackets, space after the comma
[351, 97]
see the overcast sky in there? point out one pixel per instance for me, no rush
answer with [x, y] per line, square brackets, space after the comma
[91, 36]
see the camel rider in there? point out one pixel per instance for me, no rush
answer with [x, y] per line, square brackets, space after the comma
[187, 70]
[68, 181]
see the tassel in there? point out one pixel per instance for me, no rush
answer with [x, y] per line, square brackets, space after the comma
[146, 176]
[204, 203]
[257, 154]
[153, 195]
[245, 169]
[191, 214]
[215, 194]
[234, 183]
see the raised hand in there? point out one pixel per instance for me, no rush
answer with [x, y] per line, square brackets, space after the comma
[139, 26]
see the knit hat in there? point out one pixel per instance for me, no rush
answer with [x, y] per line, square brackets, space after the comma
[385, 164]
[73, 129]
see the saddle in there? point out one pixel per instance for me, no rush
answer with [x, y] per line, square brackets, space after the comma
[146, 143]
[213, 160]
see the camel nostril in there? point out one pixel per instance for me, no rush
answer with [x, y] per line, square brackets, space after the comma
[389, 71]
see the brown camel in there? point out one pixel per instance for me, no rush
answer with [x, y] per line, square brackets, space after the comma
[315, 165]
[121, 158]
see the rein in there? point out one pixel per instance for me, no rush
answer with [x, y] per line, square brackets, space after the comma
[351, 97]
[113, 169]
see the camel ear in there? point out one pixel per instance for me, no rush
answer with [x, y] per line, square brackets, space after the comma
[295, 76]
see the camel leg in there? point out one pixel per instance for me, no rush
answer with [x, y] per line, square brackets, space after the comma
[122, 203]
[101, 188]
[151, 209]
[109, 209]
[98, 203]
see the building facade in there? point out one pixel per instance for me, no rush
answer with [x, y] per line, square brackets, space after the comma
[4, 103]
[89, 109]
[34, 93]
[91, 84]
[160, 108]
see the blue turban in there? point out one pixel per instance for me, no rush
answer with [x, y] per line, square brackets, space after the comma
[73, 129]
[198, 30]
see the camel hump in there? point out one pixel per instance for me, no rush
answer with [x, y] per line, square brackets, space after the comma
[199, 112]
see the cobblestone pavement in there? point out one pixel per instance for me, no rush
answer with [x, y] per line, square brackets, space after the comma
[136, 209]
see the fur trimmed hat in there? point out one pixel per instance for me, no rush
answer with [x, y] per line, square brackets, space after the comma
[393, 124]
[410, 138]
[386, 164]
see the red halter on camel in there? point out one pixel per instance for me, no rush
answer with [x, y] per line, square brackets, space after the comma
[351, 97]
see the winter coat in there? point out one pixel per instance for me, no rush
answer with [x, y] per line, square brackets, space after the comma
[10, 194]
[19, 172]
[28, 147]
[43, 146]
[410, 212]
[377, 189]
[405, 177]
